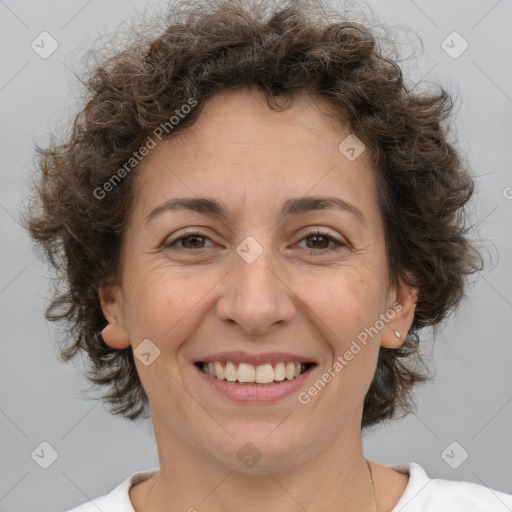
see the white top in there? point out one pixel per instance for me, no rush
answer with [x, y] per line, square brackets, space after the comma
[422, 494]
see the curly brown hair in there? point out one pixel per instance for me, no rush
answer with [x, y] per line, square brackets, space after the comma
[280, 48]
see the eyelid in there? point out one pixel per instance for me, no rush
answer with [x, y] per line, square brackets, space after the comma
[308, 232]
[321, 231]
[184, 234]
[318, 230]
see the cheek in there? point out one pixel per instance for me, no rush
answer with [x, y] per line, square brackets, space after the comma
[161, 306]
[344, 302]
[345, 305]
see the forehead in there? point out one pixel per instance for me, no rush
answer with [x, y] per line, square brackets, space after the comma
[240, 148]
[247, 118]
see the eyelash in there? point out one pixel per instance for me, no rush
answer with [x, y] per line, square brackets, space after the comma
[310, 234]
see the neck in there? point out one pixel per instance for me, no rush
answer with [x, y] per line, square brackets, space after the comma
[336, 478]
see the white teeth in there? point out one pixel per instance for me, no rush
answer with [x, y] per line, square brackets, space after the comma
[219, 371]
[279, 373]
[230, 372]
[248, 373]
[289, 371]
[264, 374]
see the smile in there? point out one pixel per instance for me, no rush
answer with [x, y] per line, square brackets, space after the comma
[248, 374]
[248, 383]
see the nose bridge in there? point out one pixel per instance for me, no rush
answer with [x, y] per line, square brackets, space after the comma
[254, 296]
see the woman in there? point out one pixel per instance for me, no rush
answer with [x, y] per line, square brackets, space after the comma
[256, 217]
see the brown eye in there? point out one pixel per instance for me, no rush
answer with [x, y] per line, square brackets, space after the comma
[319, 241]
[191, 241]
[194, 241]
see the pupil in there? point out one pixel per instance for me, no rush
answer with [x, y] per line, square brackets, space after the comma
[196, 238]
[316, 238]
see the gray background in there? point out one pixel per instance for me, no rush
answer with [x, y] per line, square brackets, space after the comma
[43, 400]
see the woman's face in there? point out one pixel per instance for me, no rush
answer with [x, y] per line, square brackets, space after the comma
[252, 279]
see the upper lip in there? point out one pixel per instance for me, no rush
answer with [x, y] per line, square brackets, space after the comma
[256, 359]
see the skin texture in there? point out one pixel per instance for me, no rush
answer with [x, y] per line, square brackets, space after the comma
[297, 296]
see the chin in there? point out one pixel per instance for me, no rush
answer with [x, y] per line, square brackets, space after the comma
[258, 453]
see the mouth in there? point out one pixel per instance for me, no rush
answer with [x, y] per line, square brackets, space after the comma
[244, 374]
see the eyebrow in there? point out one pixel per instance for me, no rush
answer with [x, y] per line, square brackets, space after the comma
[293, 206]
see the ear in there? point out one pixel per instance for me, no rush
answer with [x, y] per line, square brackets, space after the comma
[114, 334]
[403, 303]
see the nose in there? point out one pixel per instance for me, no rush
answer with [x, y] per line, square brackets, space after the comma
[255, 295]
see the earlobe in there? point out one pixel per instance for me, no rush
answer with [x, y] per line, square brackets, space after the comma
[114, 334]
[404, 307]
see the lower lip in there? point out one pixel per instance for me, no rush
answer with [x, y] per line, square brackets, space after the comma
[268, 393]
